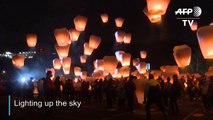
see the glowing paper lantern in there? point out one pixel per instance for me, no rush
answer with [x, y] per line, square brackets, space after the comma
[126, 59]
[66, 64]
[74, 35]
[182, 55]
[94, 41]
[80, 23]
[119, 36]
[141, 67]
[62, 36]
[119, 54]
[119, 22]
[62, 51]
[57, 63]
[124, 71]
[83, 75]
[135, 62]
[127, 38]
[97, 74]
[110, 64]
[87, 50]
[169, 71]
[157, 6]
[83, 58]
[143, 54]
[104, 18]
[31, 40]
[205, 39]
[77, 71]
[153, 18]
[194, 26]
[99, 64]
[156, 73]
[18, 60]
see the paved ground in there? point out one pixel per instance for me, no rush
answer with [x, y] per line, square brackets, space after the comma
[94, 111]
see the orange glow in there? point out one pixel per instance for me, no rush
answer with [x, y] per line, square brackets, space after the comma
[104, 18]
[126, 59]
[87, 50]
[182, 55]
[83, 58]
[154, 18]
[80, 23]
[135, 62]
[53, 72]
[62, 51]
[74, 35]
[124, 71]
[97, 74]
[83, 75]
[127, 38]
[99, 64]
[18, 60]
[66, 64]
[143, 54]
[194, 26]
[31, 40]
[156, 73]
[119, 22]
[57, 63]
[62, 36]
[205, 39]
[77, 71]
[169, 71]
[110, 64]
[94, 41]
[119, 36]
[157, 6]
[119, 54]
[141, 67]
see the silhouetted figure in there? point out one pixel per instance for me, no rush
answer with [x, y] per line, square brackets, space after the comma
[175, 95]
[109, 92]
[210, 93]
[57, 84]
[154, 96]
[130, 93]
[168, 86]
[84, 90]
[48, 91]
[69, 90]
[41, 88]
[30, 88]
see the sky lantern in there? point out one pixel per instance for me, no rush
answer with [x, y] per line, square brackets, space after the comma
[83, 58]
[182, 55]
[194, 26]
[135, 62]
[80, 23]
[119, 36]
[31, 40]
[57, 63]
[66, 64]
[119, 54]
[205, 39]
[170, 71]
[87, 50]
[77, 71]
[124, 71]
[62, 51]
[143, 54]
[94, 41]
[83, 75]
[74, 35]
[119, 22]
[99, 64]
[62, 36]
[104, 18]
[110, 64]
[18, 60]
[153, 18]
[126, 59]
[127, 38]
[157, 6]
[97, 74]
[156, 73]
[141, 67]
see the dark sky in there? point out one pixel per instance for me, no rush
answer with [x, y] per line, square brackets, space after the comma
[19, 17]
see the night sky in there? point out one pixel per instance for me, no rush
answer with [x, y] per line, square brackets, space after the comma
[19, 17]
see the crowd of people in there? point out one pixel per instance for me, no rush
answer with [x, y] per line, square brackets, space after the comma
[121, 92]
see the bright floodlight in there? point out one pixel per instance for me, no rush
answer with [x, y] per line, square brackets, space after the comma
[23, 79]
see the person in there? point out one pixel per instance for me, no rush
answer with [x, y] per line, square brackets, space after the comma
[153, 95]
[69, 90]
[175, 93]
[167, 91]
[57, 84]
[210, 93]
[130, 93]
[109, 92]
[48, 91]
[30, 88]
